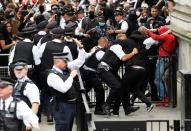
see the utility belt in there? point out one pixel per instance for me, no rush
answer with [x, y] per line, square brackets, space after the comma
[57, 101]
[103, 66]
[137, 67]
[88, 68]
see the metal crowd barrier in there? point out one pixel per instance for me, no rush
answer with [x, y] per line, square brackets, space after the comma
[83, 115]
[169, 81]
[157, 125]
[4, 70]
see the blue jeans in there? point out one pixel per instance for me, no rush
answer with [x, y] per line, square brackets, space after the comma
[64, 116]
[161, 66]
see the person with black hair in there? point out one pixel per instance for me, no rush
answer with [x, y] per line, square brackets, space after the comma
[156, 18]
[6, 42]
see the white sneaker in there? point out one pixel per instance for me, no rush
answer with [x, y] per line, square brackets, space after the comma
[149, 108]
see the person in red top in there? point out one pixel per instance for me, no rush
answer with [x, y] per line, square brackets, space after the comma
[167, 43]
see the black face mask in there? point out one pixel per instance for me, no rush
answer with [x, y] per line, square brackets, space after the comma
[91, 15]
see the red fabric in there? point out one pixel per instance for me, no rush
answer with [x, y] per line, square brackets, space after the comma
[168, 42]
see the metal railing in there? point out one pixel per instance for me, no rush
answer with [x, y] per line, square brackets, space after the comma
[169, 79]
[4, 70]
[83, 115]
[157, 125]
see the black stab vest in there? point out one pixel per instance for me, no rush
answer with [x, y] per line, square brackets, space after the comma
[69, 95]
[8, 119]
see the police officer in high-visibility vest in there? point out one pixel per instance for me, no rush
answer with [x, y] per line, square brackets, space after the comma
[14, 111]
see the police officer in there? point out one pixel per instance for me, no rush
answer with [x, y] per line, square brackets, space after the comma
[14, 111]
[90, 77]
[25, 50]
[80, 16]
[60, 80]
[24, 88]
[68, 41]
[42, 32]
[108, 72]
[56, 45]
[45, 56]
[121, 26]
[48, 37]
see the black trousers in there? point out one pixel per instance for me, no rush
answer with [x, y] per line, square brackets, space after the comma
[92, 80]
[45, 96]
[113, 80]
[64, 114]
[151, 67]
[133, 80]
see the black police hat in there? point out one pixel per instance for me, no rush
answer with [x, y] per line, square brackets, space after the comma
[20, 64]
[101, 19]
[42, 24]
[80, 10]
[118, 12]
[70, 28]
[57, 31]
[51, 25]
[20, 35]
[29, 30]
[4, 82]
[70, 12]
[60, 55]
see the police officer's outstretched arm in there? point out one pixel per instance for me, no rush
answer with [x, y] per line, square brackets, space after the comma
[77, 63]
[27, 115]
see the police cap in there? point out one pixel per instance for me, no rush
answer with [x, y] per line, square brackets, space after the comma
[42, 24]
[118, 12]
[60, 55]
[20, 64]
[29, 30]
[70, 28]
[80, 11]
[57, 31]
[51, 25]
[4, 82]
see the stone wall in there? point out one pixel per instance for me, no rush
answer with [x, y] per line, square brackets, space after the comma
[181, 27]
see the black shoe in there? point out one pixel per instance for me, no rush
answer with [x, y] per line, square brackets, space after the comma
[131, 109]
[116, 113]
[99, 112]
[106, 109]
[50, 119]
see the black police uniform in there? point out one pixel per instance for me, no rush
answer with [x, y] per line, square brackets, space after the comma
[19, 91]
[48, 36]
[64, 105]
[108, 72]
[91, 79]
[42, 25]
[8, 119]
[135, 69]
[69, 31]
[47, 63]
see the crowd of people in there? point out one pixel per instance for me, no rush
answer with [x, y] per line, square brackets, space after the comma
[46, 43]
